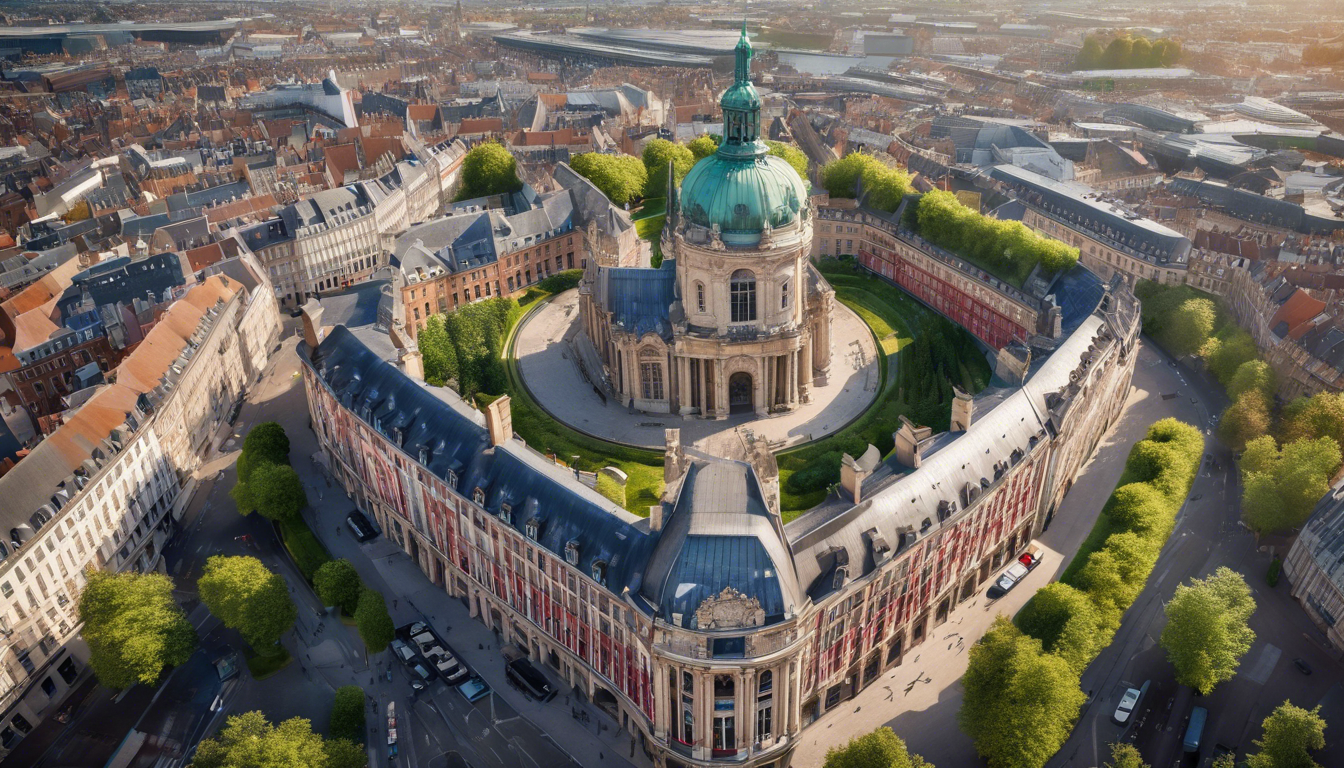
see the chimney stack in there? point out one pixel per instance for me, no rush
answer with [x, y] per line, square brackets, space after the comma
[852, 476]
[907, 440]
[963, 409]
[499, 420]
[674, 459]
[656, 518]
[312, 324]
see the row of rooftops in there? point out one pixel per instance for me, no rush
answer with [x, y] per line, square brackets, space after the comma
[59, 467]
[718, 529]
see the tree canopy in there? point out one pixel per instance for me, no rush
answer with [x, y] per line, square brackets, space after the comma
[1321, 415]
[1125, 756]
[1253, 376]
[702, 146]
[249, 597]
[347, 714]
[337, 583]
[656, 155]
[277, 491]
[464, 346]
[1190, 326]
[374, 623]
[343, 753]
[883, 187]
[133, 627]
[266, 443]
[1245, 419]
[1020, 702]
[791, 154]
[881, 748]
[1009, 248]
[1280, 486]
[1125, 52]
[621, 178]
[1291, 734]
[248, 740]
[1207, 631]
[488, 169]
[1065, 620]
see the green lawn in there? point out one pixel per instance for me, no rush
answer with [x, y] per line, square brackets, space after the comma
[651, 229]
[644, 468]
[808, 472]
[654, 206]
[263, 667]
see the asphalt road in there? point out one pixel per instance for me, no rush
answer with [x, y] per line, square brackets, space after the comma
[1208, 535]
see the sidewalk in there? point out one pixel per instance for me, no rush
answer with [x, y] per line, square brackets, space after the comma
[381, 563]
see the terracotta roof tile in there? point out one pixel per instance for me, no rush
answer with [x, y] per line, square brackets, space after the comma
[1296, 311]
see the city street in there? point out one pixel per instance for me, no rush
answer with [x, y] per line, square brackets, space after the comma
[1208, 535]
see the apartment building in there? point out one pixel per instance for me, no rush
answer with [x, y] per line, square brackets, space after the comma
[106, 488]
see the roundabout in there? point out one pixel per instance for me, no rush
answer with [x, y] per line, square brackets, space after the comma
[561, 371]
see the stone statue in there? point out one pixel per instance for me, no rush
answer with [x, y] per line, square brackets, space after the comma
[767, 237]
[715, 240]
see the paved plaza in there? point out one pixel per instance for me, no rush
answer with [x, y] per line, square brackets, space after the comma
[549, 345]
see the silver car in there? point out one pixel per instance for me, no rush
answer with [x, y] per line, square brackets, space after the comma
[1126, 708]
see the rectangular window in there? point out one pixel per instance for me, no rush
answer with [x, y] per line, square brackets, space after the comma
[651, 379]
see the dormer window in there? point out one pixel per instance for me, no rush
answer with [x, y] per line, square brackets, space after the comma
[533, 528]
[572, 552]
[506, 513]
[841, 573]
[478, 496]
[424, 455]
[600, 572]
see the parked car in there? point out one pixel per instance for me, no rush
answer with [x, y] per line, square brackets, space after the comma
[1127, 704]
[421, 671]
[403, 651]
[1008, 580]
[474, 689]
[1302, 666]
[530, 680]
[1031, 558]
[452, 671]
[360, 526]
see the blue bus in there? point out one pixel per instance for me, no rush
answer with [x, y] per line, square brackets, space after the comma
[1195, 730]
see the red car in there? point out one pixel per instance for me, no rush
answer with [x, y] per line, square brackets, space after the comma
[1031, 558]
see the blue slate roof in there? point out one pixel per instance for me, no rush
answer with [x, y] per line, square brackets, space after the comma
[435, 428]
[640, 299]
[1078, 292]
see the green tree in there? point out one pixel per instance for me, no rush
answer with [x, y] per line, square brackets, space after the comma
[621, 178]
[248, 740]
[883, 187]
[1280, 487]
[241, 493]
[1020, 702]
[1189, 326]
[1167, 52]
[1140, 507]
[266, 443]
[1118, 53]
[702, 146]
[1291, 734]
[248, 597]
[1090, 55]
[1321, 415]
[657, 153]
[437, 352]
[277, 491]
[881, 748]
[337, 583]
[374, 623]
[133, 627]
[1125, 756]
[1141, 53]
[1244, 420]
[791, 154]
[1207, 631]
[1065, 621]
[488, 169]
[347, 714]
[1235, 350]
[344, 753]
[1253, 376]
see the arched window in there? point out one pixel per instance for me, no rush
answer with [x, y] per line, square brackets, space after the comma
[784, 294]
[742, 293]
[700, 297]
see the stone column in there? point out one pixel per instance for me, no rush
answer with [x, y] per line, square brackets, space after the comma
[704, 389]
[704, 697]
[793, 379]
[759, 392]
[720, 392]
[662, 721]
[683, 384]
[745, 710]
[805, 372]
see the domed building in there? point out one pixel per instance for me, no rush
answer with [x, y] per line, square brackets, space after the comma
[736, 319]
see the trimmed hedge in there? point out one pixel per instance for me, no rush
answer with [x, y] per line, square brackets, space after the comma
[347, 714]
[1009, 249]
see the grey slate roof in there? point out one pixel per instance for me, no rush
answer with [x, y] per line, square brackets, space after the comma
[720, 535]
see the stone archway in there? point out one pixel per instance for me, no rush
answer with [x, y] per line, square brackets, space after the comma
[740, 393]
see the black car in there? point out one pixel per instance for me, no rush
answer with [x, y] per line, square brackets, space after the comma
[296, 312]
[530, 680]
[360, 526]
[1302, 666]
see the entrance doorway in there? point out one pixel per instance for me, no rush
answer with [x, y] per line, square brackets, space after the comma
[739, 393]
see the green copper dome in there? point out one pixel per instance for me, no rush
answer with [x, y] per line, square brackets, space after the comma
[741, 188]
